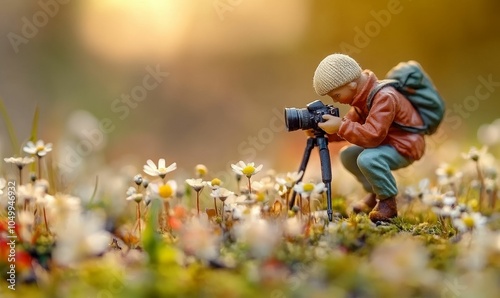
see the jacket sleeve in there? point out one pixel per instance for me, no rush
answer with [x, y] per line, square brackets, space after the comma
[374, 130]
[352, 115]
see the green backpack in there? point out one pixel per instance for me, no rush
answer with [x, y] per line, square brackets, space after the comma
[409, 79]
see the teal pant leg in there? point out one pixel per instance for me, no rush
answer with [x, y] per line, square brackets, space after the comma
[372, 167]
[349, 157]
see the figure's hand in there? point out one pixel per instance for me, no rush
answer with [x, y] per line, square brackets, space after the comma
[331, 125]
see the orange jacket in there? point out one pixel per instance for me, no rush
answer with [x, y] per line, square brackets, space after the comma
[373, 128]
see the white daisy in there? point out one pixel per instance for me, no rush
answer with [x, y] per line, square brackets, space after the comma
[196, 184]
[81, 236]
[200, 170]
[447, 174]
[215, 183]
[20, 162]
[151, 169]
[163, 190]
[244, 169]
[474, 154]
[40, 148]
[469, 221]
[290, 179]
[221, 193]
[308, 189]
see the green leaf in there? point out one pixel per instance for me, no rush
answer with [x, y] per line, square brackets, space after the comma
[34, 125]
[152, 240]
[92, 197]
[34, 133]
[10, 128]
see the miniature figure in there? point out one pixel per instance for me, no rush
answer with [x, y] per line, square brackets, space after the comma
[379, 146]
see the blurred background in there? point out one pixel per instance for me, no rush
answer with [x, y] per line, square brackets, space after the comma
[121, 81]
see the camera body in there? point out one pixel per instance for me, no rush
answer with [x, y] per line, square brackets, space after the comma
[308, 117]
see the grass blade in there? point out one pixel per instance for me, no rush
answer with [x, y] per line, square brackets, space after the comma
[10, 128]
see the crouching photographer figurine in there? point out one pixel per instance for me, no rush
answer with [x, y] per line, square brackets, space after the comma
[310, 118]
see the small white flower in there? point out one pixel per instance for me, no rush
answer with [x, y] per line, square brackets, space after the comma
[198, 239]
[200, 170]
[196, 184]
[151, 169]
[221, 193]
[447, 211]
[432, 197]
[40, 148]
[308, 189]
[20, 162]
[215, 183]
[290, 179]
[259, 235]
[163, 190]
[449, 199]
[489, 134]
[244, 169]
[475, 154]
[447, 174]
[81, 236]
[469, 221]
[45, 200]
[133, 195]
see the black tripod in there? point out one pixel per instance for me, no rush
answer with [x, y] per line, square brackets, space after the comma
[321, 141]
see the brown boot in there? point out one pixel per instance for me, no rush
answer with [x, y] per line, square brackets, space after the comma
[385, 210]
[366, 204]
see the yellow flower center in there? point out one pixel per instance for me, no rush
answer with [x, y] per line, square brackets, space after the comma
[201, 170]
[261, 197]
[450, 171]
[468, 221]
[40, 148]
[308, 187]
[248, 170]
[165, 191]
[216, 182]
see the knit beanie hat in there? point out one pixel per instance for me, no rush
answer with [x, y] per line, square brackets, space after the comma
[335, 71]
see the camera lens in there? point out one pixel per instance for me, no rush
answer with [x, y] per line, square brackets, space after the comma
[297, 119]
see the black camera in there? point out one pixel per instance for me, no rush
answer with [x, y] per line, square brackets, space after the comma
[309, 117]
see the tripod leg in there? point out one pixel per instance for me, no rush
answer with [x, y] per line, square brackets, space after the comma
[303, 164]
[326, 172]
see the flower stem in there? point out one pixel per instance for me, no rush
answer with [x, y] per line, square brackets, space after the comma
[300, 206]
[166, 205]
[249, 185]
[20, 176]
[287, 197]
[222, 211]
[39, 167]
[139, 218]
[481, 185]
[198, 202]
[45, 220]
[215, 207]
